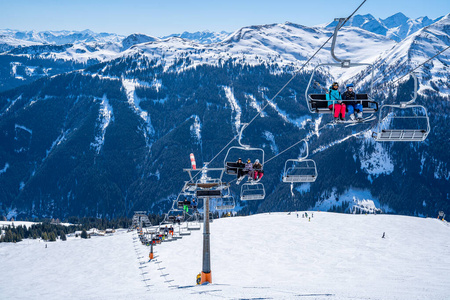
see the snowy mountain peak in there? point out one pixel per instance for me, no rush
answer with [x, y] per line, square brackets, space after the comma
[395, 20]
[61, 37]
[202, 37]
[416, 49]
[396, 27]
[137, 38]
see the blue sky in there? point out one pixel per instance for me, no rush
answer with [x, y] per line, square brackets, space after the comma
[160, 18]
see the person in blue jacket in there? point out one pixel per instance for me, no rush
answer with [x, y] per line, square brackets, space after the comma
[335, 102]
[352, 105]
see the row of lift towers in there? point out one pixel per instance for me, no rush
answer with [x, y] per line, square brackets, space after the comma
[393, 125]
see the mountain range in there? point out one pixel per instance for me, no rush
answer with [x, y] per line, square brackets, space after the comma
[104, 127]
[396, 27]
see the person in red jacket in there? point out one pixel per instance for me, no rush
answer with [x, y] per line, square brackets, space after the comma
[257, 169]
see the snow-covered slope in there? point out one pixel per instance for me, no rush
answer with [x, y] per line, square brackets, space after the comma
[282, 45]
[135, 39]
[8, 42]
[399, 26]
[266, 256]
[202, 37]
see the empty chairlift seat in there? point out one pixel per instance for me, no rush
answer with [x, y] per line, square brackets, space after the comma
[225, 203]
[253, 191]
[303, 170]
[392, 135]
[402, 123]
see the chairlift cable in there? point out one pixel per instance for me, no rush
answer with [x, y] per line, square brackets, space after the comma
[421, 64]
[289, 81]
[306, 139]
[284, 86]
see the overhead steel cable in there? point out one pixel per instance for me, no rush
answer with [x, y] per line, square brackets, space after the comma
[284, 86]
[421, 64]
[295, 144]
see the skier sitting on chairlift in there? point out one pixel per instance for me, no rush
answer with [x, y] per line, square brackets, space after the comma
[249, 168]
[240, 168]
[186, 204]
[257, 169]
[335, 102]
[351, 103]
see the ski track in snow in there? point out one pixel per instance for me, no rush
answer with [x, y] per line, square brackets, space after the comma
[196, 128]
[11, 105]
[323, 148]
[273, 145]
[234, 106]
[255, 105]
[55, 143]
[330, 256]
[106, 116]
[4, 168]
[299, 122]
[134, 101]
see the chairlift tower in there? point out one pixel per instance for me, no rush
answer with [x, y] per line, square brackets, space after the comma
[140, 219]
[206, 188]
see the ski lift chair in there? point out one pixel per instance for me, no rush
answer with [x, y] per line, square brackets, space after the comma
[252, 191]
[317, 103]
[300, 170]
[230, 164]
[226, 202]
[406, 122]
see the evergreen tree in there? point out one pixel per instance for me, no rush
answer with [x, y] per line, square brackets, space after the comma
[84, 234]
[52, 237]
[8, 236]
[63, 236]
